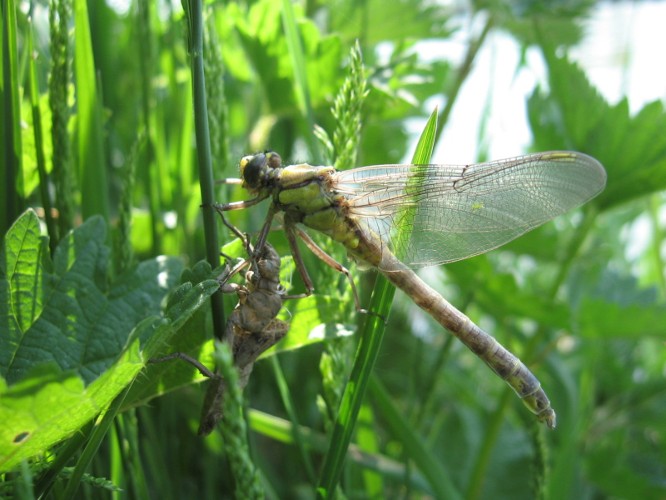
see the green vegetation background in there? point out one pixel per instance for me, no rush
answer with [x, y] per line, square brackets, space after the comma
[111, 130]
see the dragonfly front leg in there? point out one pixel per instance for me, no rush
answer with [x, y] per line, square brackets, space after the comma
[238, 205]
[185, 357]
[239, 234]
[263, 234]
[292, 229]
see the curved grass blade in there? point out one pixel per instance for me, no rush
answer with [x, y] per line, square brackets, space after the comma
[371, 336]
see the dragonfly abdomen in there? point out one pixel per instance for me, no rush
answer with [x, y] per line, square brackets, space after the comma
[498, 358]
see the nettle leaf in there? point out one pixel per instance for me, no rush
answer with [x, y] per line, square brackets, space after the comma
[617, 307]
[573, 115]
[605, 320]
[70, 339]
[530, 22]
[391, 21]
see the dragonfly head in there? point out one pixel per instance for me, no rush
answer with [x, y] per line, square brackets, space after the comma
[253, 168]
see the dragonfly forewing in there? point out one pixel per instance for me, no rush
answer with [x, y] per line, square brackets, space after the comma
[454, 212]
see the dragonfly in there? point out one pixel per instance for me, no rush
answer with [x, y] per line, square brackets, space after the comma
[399, 218]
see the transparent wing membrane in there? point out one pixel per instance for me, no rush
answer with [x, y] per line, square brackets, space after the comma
[455, 212]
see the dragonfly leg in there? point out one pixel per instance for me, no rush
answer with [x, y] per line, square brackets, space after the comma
[325, 258]
[238, 205]
[290, 231]
[229, 181]
[185, 357]
[263, 234]
[239, 234]
[228, 273]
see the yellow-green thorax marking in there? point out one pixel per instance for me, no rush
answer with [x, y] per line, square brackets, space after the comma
[305, 194]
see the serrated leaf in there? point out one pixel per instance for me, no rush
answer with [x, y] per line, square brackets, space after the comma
[71, 341]
[601, 319]
[575, 116]
[50, 404]
[557, 23]
[391, 21]
[69, 315]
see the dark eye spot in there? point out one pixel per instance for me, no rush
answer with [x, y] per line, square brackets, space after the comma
[253, 170]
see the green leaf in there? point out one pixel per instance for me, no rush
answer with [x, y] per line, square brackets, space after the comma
[601, 319]
[308, 322]
[391, 21]
[262, 35]
[64, 311]
[573, 115]
[71, 341]
[30, 174]
[554, 22]
[50, 404]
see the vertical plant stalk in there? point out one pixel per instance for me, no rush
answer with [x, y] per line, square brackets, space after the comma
[149, 176]
[93, 444]
[195, 39]
[217, 104]
[11, 117]
[334, 365]
[416, 449]
[123, 254]
[480, 470]
[91, 157]
[371, 336]
[39, 144]
[347, 112]
[59, 16]
[234, 432]
[290, 407]
[654, 205]
[295, 47]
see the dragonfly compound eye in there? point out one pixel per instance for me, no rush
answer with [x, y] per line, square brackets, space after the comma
[252, 168]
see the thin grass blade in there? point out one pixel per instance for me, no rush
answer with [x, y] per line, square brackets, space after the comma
[371, 336]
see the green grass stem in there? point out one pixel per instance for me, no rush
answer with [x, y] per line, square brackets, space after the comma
[415, 447]
[63, 174]
[89, 124]
[39, 143]
[11, 126]
[205, 161]
[371, 336]
[299, 62]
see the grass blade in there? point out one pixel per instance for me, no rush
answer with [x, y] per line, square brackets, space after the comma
[90, 143]
[11, 123]
[292, 35]
[205, 161]
[371, 336]
[39, 144]
[415, 447]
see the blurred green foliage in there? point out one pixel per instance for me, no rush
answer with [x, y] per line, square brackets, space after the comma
[582, 300]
